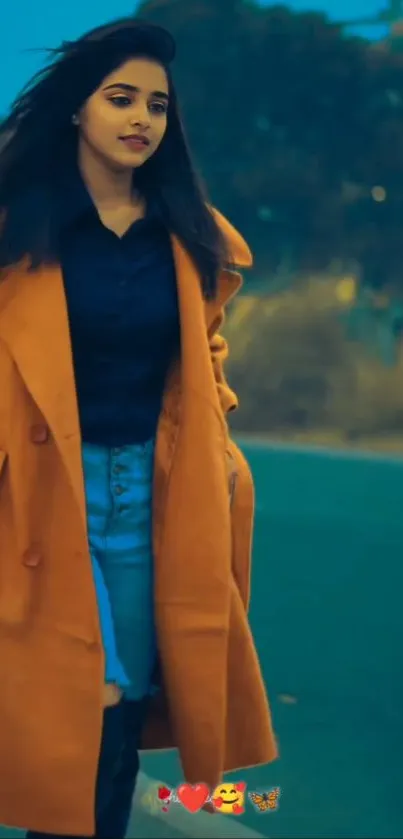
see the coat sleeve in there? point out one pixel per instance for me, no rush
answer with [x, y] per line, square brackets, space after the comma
[242, 506]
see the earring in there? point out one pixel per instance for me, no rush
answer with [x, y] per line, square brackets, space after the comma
[75, 119]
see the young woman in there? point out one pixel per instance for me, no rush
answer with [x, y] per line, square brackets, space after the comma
[125, 509]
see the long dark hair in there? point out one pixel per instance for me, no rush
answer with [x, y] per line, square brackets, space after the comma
[38, 143]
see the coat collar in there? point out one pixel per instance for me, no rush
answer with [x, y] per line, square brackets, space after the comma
[34, 326]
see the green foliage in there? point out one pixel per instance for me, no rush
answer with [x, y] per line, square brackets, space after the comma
[293, 124]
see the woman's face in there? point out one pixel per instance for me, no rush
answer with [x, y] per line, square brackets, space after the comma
[132, 101]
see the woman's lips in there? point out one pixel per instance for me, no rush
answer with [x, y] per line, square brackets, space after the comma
[135, 143]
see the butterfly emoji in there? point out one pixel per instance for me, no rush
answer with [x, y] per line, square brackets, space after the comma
[265, 801]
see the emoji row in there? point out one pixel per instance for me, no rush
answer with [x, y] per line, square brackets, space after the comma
[225, 798]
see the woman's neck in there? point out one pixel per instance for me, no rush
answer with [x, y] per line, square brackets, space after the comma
[108, 188]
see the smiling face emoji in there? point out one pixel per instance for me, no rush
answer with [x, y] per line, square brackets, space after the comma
[230, 798]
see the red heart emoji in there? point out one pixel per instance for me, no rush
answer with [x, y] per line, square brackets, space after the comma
[193, 797]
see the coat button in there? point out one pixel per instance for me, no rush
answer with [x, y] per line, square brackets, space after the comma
[39, 433]
[31, 558]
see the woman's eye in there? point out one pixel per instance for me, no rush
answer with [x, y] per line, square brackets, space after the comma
[125, 101]
[120, 101]
[158, 107]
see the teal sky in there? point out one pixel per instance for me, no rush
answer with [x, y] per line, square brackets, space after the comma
[28, 24]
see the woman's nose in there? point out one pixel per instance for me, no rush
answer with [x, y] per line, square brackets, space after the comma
[140, 115]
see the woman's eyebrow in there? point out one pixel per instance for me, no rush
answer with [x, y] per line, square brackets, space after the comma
[132, 89]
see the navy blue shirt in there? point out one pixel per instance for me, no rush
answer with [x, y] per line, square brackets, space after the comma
[124, 320]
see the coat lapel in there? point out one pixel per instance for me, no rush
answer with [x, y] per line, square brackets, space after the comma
[34, 325]
[198, 316]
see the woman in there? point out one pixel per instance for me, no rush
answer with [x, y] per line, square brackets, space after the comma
[125, 509]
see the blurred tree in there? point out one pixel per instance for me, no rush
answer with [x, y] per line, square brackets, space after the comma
[298, 130]
[295, 370]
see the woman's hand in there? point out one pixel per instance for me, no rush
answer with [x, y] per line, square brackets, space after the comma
[112, 695]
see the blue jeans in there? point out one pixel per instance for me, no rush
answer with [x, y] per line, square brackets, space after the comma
[118, 488]
[117, 771]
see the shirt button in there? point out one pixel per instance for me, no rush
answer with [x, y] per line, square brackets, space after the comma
[119, 490]
[39, 433]
[31, 558]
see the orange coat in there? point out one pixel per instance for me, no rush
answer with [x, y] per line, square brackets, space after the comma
[212, 704]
